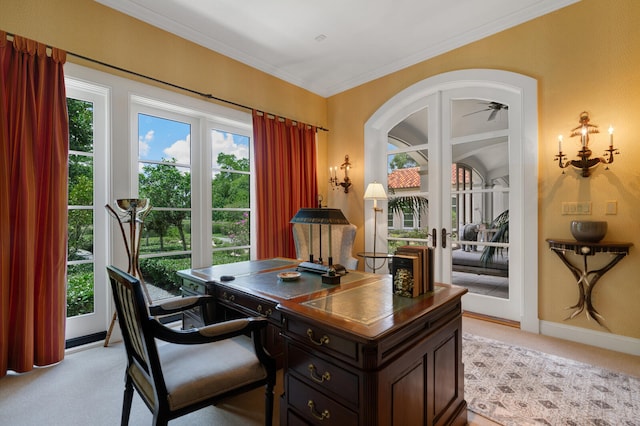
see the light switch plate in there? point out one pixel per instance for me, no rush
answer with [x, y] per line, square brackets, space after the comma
[612, 207]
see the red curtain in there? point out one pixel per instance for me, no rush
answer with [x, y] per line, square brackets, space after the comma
[285, 165]
[34, 138]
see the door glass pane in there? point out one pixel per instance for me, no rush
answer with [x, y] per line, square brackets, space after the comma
[407, 182]
[480, 197]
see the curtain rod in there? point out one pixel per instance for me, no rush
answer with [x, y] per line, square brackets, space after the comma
[186, 89]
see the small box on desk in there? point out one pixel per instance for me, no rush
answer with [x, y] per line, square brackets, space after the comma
[407, 275]
[426, 256]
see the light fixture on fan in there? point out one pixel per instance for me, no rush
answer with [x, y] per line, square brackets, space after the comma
[585, 163]
[333, 175]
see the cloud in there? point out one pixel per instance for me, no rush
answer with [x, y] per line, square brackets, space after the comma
[143, 144]
[223, 142]
[180, 150]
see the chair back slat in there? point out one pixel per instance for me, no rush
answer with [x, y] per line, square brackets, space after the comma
[133, 315]
[129, 318]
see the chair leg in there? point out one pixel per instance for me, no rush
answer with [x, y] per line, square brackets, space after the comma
[126, 402]
[268, 404]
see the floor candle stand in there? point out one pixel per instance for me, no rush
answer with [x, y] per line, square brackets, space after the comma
[132, 211]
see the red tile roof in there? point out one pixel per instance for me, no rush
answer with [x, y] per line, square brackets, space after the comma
[404, 178]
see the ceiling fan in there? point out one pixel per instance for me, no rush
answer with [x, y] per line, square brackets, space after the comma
[494, 107]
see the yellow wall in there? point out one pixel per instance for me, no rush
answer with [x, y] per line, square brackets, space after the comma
[585, 57]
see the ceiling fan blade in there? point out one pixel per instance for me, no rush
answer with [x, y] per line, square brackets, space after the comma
[476, 112]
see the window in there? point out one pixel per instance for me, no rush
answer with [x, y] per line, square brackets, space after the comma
[148, 142]
[407, 219]
[201, 210]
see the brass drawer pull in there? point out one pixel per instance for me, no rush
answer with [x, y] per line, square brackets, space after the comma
[267, 313]
[320, 416]
[324, 340]
[317, 378]
[231, 298]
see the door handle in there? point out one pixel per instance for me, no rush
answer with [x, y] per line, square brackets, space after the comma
[444, 238]
[434, 237]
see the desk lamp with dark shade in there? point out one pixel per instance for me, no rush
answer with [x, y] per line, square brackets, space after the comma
[319, 216]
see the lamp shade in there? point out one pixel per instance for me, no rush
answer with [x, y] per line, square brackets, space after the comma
[320, 216]
[375, 191]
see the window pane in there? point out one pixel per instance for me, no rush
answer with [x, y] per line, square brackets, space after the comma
[80, 125]
[80, 180]
[230, 190]
[230, 151]
[166, 230]
[159, 274]
[231, 229]
[80, 298]
[160, 139]
[80, 235]
[166, 185]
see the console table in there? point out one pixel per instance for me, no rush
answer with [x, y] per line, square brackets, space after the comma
[585, 278]
[353, 353]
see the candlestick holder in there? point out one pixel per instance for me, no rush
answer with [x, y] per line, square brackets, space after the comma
[585, 164]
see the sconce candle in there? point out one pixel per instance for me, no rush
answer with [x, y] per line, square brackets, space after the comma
[610, 136]
[559, 143]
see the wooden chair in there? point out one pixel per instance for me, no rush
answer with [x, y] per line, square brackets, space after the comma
[189, 369]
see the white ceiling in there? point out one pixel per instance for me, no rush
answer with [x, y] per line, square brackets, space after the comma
[331, 46]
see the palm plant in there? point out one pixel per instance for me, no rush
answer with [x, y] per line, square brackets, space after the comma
[501, 223]
[409, 203]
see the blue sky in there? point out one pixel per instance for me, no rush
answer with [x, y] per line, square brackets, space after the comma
[160, 138]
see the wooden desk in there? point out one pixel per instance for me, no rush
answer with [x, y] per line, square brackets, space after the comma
[354, 353]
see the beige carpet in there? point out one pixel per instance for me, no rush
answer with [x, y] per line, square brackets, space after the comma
[86, 388]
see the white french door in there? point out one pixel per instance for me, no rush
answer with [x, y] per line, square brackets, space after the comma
[472, 137]
[479, 148]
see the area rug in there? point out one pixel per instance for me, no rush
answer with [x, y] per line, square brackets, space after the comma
[516, 386]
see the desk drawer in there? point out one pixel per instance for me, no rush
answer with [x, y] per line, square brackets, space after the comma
[315, 407]
[321, 339]
[250, 305]
[193, 287]
[324, 375]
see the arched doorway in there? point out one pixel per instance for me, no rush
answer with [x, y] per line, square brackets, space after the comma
[440, 103]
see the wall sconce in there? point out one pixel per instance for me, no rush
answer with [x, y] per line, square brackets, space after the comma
[585, 163]
[333, 175]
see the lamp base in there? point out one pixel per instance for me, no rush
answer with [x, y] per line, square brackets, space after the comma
[330, 279]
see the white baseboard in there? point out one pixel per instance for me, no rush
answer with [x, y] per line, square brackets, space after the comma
[613, 342]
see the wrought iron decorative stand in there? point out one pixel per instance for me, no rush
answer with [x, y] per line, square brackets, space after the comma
[585, 278]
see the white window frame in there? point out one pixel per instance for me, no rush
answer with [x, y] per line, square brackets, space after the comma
[121, 158]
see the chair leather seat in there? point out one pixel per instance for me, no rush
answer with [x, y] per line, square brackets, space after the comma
[190, 375]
